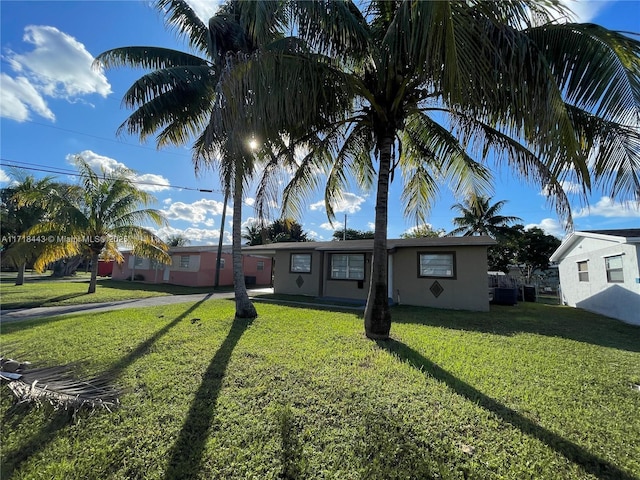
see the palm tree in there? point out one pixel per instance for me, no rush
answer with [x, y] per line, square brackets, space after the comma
[18, 218]
[431, 89]
[177, 240]
[478, 217]
[180, 98]
[97, 215]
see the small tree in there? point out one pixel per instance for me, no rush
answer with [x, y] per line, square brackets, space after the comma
[17, 217]
[177, 240]
[529, 250]
[536, 250]
[282, 230]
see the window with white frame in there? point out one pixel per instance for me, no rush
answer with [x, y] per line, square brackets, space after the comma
[441, 265]
[222, 263]
[613, 266]
[260, 265]
[137, 261]
[184, 261]
[300, 263]
[347, 266]
[583, 271]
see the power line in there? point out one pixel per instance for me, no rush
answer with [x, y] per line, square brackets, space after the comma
[65, 171]
[62, 171]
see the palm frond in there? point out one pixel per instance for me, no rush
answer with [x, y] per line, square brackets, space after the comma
[597, 69]
[147, 57]
[180, 16]
[58, 385]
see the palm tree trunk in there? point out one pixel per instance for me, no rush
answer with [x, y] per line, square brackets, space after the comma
[94, 272]
[20, 276]
[244, 307]
[377, 317]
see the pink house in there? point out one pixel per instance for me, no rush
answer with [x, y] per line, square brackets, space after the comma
[194, 266]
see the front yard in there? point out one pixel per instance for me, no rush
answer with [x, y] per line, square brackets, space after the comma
[532, 391]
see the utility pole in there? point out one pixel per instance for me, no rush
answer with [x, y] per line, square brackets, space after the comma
[344, 234]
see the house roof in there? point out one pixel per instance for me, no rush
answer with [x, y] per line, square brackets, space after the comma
[627, 235]
[367, 245]
[194, 249]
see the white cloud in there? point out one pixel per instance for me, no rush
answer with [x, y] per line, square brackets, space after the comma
[58, 66]
[550, 226]
[18, 98]
[205, 9]
[250, 201]
[197, 236]
[151, 182]
[585, 10]
[327, 226]
[4, 178]
[606, 207]
[314, 236]
[371, 225]
[196, 212]
[349, 203]
[167, 201]
[148, 182]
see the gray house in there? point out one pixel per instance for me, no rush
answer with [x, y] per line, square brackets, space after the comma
[600, 272]
[446, 272]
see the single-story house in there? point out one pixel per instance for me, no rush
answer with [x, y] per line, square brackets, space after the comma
[600, 272]
[445, 272]
[194, 266]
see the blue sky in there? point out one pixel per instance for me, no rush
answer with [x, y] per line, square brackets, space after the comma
[54, 106]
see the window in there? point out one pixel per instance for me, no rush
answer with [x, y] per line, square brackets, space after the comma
[301, 262]
[222, 263]
[260, 265]
[347, 267]
[154, 264]
[184, 261]
[583, 271]
[437, 265]
[614, 269]
[137, 262]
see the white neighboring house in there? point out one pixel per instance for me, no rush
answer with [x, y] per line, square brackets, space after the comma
[600, 272]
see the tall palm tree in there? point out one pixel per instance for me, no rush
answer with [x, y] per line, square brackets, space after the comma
[96, 215]
[180, 98]
[479, 217]
[435, 89]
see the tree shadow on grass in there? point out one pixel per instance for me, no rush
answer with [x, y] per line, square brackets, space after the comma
[185, 455]
[45, 302]
[540, 319]
[575, 453]
[12, 459]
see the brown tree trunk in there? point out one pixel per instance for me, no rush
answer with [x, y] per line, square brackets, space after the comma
[94, 272]
[377, 317]
[244, 307]
[20, 276]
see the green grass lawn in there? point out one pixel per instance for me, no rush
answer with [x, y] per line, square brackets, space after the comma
[48, 293]
[527, 392]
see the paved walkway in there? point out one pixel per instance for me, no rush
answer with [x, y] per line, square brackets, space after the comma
[7, 316]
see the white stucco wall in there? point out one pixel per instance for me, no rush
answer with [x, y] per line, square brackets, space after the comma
[616, 300]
